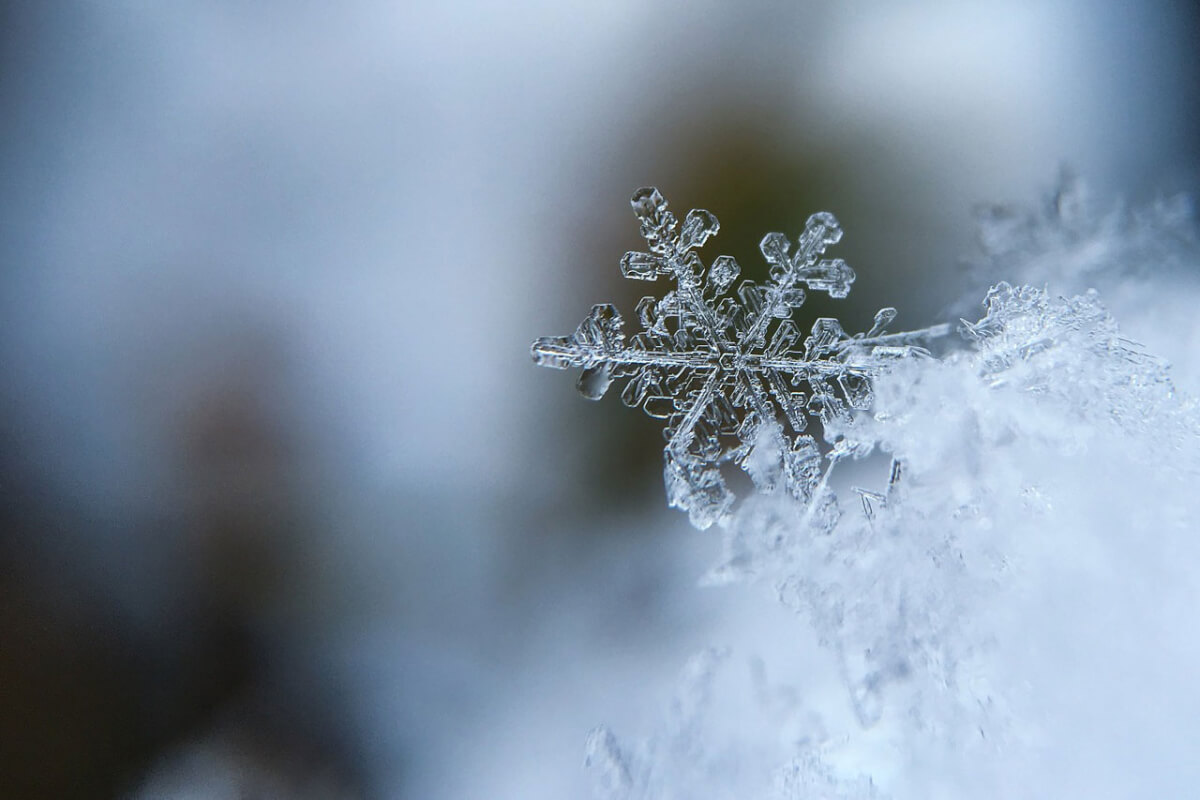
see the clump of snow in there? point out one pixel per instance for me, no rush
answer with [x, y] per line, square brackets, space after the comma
[1143, 260]
[1014, 617]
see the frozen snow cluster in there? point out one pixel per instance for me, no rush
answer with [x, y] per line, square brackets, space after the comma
[1008, 608]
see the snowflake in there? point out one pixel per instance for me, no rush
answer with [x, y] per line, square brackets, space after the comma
[724, 369]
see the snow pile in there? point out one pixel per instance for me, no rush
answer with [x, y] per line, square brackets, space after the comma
[1012, 614]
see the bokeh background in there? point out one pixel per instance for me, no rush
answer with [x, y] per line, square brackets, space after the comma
[286, 508]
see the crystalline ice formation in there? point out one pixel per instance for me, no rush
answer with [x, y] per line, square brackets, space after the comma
[728, 370]
[1035, 563]
[1144, 260]
[1019, 440]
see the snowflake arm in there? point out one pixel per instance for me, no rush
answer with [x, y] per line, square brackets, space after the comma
[723, 369]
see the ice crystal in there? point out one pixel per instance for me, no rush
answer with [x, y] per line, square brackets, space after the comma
[1045, 459]
[960, 635]
[727, 370]
[1144, 260]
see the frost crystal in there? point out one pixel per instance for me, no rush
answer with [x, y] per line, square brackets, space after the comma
[1011, 615]
[724, 368]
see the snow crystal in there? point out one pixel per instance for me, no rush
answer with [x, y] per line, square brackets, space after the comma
[1050, 458]
[1011, 616]
[723, 370]
[1144, 260]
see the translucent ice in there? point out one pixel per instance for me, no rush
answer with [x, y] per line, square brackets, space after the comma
[718, 367]
[1009, 615]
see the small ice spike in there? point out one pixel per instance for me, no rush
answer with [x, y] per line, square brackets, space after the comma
[729, 371]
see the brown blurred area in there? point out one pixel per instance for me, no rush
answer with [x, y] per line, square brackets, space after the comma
[92, 706]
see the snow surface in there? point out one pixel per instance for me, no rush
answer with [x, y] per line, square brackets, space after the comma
[1014, 617]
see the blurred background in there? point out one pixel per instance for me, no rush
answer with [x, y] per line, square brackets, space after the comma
[286, 509]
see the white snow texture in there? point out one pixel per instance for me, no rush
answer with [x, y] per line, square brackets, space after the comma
[1015, 614]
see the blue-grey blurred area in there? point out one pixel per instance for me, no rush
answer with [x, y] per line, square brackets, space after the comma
[287, 510]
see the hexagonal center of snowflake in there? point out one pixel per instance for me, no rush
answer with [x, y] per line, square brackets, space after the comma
[730, 360]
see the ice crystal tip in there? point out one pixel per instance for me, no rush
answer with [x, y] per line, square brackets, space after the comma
[727, 370]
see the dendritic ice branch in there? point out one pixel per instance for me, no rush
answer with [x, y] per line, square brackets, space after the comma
[727, 370]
